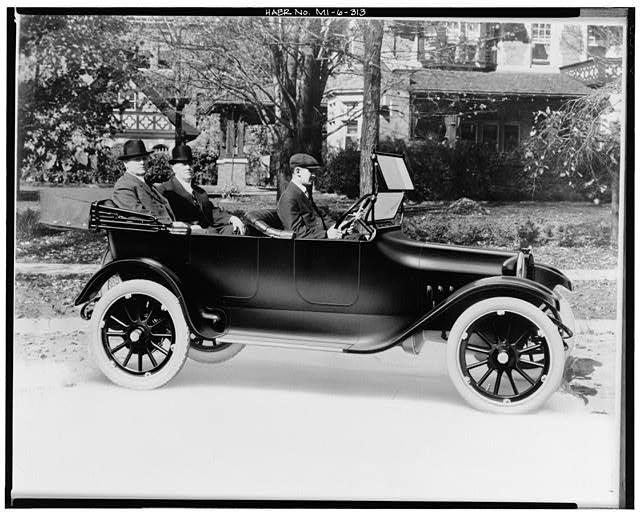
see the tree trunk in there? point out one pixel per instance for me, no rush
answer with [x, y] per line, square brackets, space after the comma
[371, 103]
[309, 122]
[280, 157]
[615, 187]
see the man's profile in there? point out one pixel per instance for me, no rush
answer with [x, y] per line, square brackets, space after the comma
[296, 208]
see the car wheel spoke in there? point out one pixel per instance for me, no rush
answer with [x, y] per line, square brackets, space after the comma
[159, 348]
[513, 384]
[535, 364]
[531, 348]
[140, 361]
[525, 376]
[496, 387]
[485, 376]
[119, 347]
[477, 364]
[126, 311]
[484, 338]
[126, 360]
[153, 361]
[522, 336]
[161, 335]
[471, 348]
[115, 333]
[118, 321]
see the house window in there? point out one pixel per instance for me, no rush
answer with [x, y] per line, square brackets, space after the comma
[469, 132]
[490, 135]
[452, 30]
[511, 136]
[471, 31]
[540, 43]
[352, 139]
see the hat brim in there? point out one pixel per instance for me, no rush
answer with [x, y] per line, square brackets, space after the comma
[133, 156]
[176, 161]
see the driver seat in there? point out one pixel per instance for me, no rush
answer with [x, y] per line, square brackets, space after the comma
[266, 222]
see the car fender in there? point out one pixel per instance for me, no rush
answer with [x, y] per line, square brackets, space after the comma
[448, 311]
[442, 317]
[206, 326]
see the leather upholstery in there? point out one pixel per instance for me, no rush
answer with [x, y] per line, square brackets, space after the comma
[266, 222]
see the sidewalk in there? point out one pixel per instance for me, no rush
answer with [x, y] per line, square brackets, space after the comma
[41, 268]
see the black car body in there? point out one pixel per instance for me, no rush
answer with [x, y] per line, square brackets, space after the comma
[355, 296]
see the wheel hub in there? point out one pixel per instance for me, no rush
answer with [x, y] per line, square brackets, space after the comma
[502, 357]
[139, 338]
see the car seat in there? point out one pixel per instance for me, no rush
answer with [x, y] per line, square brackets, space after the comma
[266, 222]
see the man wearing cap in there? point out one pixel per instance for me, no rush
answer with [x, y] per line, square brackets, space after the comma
[190, 202]
[296, 208]
[133, 193]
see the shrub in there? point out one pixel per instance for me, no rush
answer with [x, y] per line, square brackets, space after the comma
[205, 167]
[341, 174]
[28, 225]
[529, 233]
[158, 168]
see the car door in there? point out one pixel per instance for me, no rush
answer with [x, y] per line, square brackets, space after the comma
[326, 276]
[225, 267]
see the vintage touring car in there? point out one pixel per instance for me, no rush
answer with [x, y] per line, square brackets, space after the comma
[506, 320]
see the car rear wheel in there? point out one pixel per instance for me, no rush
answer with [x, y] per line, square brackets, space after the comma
[505, 355]
[212, 352]
[139, 335]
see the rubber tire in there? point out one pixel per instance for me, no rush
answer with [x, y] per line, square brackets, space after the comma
[180, 347]
[535, 315]
[215, 357]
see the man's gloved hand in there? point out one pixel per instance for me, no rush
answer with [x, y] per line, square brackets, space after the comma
[179, 228]
[334, 233]
[238, 226]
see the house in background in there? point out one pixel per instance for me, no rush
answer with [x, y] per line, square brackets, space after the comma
[473, 81]
[148, 115]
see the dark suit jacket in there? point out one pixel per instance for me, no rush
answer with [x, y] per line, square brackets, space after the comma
[196, 207]
[136, 195]
[300, 214]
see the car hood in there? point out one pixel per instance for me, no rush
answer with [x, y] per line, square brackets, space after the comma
[462, 260]
[442, 257]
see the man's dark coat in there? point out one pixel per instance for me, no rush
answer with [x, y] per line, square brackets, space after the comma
[299, 214]
[196, 207]
[134, 194]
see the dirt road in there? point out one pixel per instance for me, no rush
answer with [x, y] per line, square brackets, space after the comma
[274, 424]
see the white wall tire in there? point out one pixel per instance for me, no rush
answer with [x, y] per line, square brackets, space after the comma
[139, 337]
[213, 354]
[530, 359]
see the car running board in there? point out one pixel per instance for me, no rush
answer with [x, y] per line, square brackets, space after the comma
[240, 337]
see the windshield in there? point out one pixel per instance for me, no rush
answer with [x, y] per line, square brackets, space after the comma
[386, 206]
[395, 173]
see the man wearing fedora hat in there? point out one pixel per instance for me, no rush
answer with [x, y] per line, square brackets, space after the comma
[190, 202]
[296, 207]
[133, 193]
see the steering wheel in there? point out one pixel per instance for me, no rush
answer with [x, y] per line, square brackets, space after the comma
[354, 219]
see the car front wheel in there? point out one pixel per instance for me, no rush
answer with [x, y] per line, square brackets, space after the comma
[139, 334]
[505, 355]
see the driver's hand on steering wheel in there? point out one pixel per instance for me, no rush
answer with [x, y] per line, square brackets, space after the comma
[334, 233]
